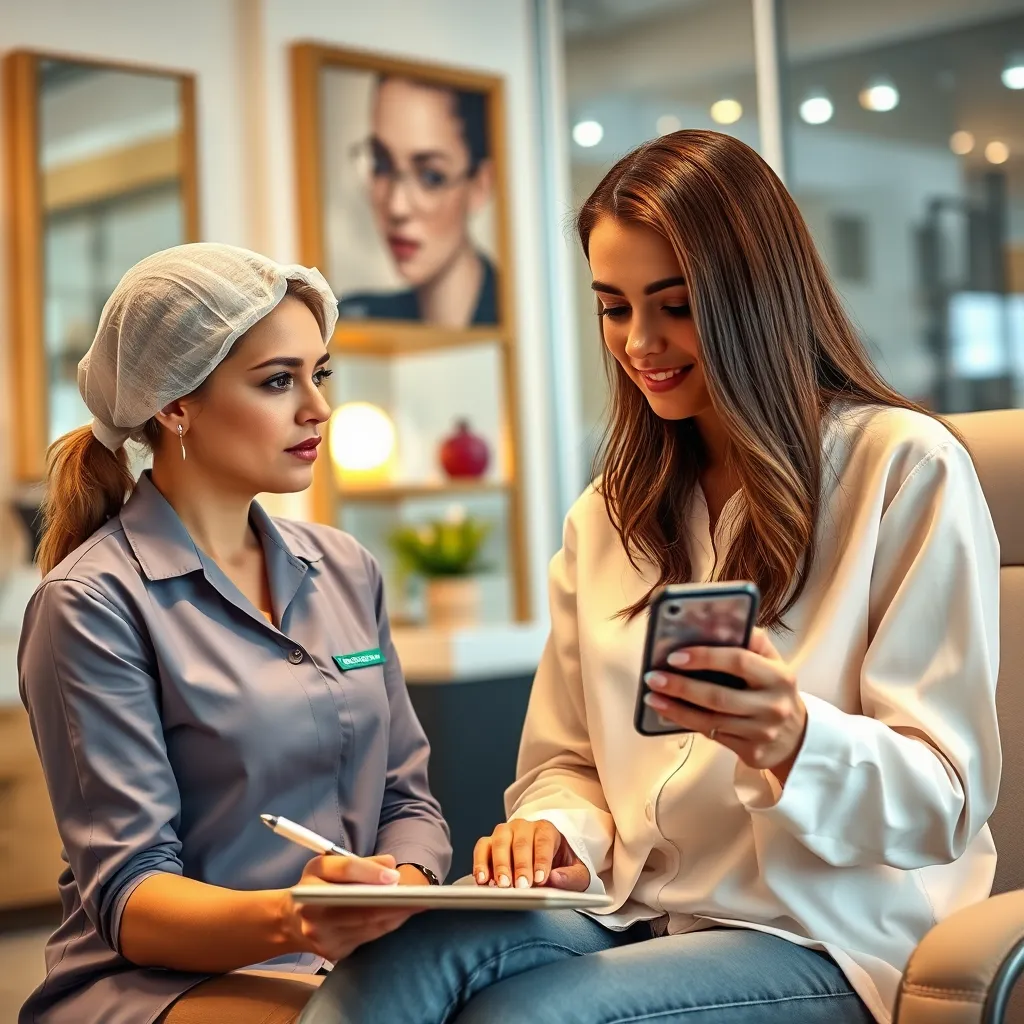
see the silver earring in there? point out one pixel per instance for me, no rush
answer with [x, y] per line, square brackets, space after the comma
[181, 439]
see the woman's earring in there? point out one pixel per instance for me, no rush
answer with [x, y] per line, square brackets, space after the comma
[181, 439]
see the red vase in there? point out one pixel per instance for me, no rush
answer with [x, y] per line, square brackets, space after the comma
[464, 454]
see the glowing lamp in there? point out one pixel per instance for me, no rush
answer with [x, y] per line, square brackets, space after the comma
[362, 439]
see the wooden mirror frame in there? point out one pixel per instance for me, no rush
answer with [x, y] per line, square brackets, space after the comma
[25, 216]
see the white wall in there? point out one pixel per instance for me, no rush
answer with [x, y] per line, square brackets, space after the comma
[239, 51]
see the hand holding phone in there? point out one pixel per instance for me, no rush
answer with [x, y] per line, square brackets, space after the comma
[693, 615]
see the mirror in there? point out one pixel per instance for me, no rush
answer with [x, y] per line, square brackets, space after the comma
[103, 173]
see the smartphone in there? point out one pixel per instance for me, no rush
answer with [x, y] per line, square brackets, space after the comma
[693, 615]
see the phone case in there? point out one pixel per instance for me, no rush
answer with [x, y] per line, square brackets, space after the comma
[689, 615]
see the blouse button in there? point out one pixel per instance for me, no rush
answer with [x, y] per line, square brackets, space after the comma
[295, 657]
[649, 810]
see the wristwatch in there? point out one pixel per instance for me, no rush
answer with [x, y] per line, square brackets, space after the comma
[426, 872]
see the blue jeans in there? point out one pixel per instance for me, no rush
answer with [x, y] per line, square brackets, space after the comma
[559, 967]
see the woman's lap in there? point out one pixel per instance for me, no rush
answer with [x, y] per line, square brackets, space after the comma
[467, 968]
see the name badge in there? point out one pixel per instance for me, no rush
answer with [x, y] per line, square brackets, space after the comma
[359, 659]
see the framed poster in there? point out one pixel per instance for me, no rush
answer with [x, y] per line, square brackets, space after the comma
[402, 194]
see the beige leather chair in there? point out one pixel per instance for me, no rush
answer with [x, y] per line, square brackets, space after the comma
[964, 970]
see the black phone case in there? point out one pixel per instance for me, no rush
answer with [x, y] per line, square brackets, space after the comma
[669, 593]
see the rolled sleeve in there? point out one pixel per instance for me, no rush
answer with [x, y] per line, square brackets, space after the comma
[87, 682]
[412, 827]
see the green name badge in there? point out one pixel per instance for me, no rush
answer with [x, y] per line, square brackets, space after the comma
[359, 659]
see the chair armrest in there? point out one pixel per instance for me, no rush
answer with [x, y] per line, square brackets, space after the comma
[964, 969]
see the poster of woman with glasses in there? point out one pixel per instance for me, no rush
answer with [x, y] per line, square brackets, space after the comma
[408, 182]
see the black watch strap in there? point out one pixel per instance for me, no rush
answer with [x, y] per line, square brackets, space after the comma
[430, 876]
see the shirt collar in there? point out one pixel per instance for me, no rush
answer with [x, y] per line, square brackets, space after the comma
[164, 548]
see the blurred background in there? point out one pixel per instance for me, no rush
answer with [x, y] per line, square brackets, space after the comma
[133, 125]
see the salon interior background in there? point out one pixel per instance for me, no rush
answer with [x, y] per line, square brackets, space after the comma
[917, 204]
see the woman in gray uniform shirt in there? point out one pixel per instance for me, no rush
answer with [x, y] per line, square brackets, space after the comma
[181, 663]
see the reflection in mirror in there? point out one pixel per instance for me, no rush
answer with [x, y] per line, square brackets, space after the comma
[110, 166]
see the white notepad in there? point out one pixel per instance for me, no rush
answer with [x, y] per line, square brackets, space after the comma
[448, 897]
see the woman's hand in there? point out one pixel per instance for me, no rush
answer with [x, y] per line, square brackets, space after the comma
[532, 852]
[764, 725]
[334, 932]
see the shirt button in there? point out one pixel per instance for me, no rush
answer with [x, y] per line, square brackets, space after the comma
[649, 810]
[295, 657]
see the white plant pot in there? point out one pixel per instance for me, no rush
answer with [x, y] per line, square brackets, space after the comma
[452, 602]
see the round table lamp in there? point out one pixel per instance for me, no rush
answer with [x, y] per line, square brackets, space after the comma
[362, 439]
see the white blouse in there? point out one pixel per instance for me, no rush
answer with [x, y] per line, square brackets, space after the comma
[881, 828]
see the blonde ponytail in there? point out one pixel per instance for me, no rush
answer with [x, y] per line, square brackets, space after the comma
[86, 484]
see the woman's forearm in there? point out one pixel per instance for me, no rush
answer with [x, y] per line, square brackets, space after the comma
[184, 925]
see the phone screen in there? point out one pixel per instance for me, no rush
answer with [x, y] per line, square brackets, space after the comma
[698, 616]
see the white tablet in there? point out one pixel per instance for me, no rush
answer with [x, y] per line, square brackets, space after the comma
[447, 897]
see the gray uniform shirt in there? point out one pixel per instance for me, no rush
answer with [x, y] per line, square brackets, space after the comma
[169, 714]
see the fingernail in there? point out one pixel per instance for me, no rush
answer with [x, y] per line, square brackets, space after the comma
[678, 658]
[481, 877]
[522, 882]
[656, 680]
[538, 877]
[389, 877]
[503, 882]
[492, 883]
[652, 700]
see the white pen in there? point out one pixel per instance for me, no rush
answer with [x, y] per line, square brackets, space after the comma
[303, 836]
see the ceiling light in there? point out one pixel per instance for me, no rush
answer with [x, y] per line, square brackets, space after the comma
[817, 109]
[587, 133]
[961, 143]
[667, 124]
[726, 111]
[880, 95]
[1013, 73]
[997, 152]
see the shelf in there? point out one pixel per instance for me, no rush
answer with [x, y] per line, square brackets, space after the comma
[391, 338]
[405, 492]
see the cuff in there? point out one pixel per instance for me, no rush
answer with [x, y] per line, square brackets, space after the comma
[121, 902]
[416, 841]
[825, 749]
[564, 822]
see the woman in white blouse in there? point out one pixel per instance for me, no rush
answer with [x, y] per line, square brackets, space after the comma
[781, 860]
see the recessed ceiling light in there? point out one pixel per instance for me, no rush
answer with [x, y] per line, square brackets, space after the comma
[880, 95]
[587, 133]
[997, 152]
[727, 111]
[1013, 73]
[961, 143]
[817, 109]
[667, 124]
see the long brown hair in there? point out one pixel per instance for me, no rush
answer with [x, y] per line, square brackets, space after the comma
[776, 349]
[87, 483]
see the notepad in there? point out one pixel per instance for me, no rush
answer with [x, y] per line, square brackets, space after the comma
[447, 897]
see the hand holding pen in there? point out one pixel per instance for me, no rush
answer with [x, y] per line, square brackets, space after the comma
[332, 932]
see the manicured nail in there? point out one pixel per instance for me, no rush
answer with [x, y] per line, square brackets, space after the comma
[656, 680]
[652, 700]
[678, 658]
[522, 882]
[389, 877]
[503, 882]
[538, 877]
[481, 877]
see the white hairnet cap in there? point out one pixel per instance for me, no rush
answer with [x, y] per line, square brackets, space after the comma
[172, 319]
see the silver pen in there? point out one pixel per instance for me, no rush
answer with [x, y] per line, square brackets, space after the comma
[303, 836]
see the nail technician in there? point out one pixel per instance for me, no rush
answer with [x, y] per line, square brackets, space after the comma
[187, 662]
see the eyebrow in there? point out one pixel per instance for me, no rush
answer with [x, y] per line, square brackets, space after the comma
[655, 286]
[290, 362]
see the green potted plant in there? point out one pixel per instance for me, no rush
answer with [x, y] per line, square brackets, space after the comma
[446, 554]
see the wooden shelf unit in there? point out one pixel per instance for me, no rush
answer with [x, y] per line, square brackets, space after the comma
[395, 339]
